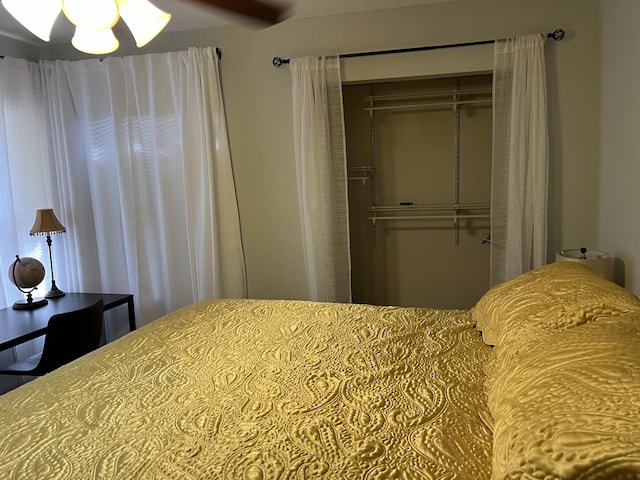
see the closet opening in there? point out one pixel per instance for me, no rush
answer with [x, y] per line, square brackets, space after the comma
[419, 168]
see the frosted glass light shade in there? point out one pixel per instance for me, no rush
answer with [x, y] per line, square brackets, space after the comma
[97, 42]
[143, 19]
[93, 20]
[93, 15]
[37, 16]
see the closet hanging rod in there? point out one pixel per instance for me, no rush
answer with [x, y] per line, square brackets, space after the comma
[430, 206]
[557, 35]
[423, 96]
[359, 169]
[427, 104]
[427, 217]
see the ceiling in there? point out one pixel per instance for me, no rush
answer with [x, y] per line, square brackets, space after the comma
[189, 15]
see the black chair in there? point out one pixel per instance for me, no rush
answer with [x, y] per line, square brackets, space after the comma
[69, 336]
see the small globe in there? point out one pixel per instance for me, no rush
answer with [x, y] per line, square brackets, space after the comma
[26, 273]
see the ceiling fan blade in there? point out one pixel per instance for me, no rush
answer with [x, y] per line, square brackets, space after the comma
[250, 8]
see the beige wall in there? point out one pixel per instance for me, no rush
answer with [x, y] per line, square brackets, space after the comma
[258, 101]
[618, 228]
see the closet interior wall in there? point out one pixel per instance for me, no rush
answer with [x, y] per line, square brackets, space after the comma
[419, 167]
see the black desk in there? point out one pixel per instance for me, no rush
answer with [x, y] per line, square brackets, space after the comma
[19, 326]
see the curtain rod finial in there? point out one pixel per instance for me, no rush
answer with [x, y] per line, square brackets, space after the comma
[557, 34]
[278, 62]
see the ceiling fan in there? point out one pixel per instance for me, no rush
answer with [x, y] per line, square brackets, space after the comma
[93, 20]
[256, 9]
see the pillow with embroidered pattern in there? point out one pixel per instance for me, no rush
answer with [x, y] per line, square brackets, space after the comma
[556, 296]
[567, 408]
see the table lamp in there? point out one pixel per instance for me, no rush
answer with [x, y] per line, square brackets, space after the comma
[599, 262]
[47, 224]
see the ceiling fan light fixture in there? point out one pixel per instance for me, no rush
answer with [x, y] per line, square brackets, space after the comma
[37, 16]
[93, 15]
[95, 42]
[144, 19]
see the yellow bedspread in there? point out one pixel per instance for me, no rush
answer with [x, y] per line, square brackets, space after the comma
[246, 389]
[564, 378]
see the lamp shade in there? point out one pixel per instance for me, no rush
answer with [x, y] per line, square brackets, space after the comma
[46, 223]
[96, 42]
[143, 19]
[37, 16]
[93, 15]
[599, 262]
[93, 20]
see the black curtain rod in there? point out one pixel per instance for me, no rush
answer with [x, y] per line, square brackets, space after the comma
[557, 35]
[218, 54]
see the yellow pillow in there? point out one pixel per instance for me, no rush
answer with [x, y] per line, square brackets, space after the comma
[568, 408]
[555, 296]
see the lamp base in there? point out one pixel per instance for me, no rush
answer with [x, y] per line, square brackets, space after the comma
[55, 292]
[30, 304]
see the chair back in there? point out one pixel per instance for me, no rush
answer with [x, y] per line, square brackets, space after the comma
[71, 335]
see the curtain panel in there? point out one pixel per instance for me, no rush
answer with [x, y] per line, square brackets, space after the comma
[156, 168]
[320, 157]
[24, 185]
[520, 158]
[135, 160]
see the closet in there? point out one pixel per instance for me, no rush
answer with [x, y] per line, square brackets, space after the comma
[419, 169]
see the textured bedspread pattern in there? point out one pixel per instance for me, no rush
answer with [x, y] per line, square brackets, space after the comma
[243, 389]
[564, 378]
[570, 407]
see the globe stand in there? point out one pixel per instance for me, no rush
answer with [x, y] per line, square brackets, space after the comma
[29, 303]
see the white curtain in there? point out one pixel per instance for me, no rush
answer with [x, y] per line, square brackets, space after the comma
[520, 158]
[145, 178]
[133, 155]
[318, 124]
[24, 169]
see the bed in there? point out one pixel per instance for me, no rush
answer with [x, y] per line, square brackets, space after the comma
[540, 380]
